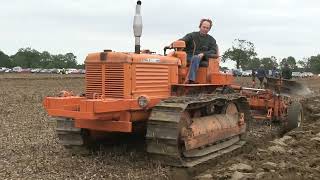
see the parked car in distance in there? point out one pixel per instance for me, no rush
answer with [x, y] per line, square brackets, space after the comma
[54, 71]
[82, 71]
[307, 74]
[26, 70]
[302, 74]
[227, 71]
[8, 70]
[44, 71]
[72, 71]
[3, 69]
[236, 72]
[296, 74]
[247, 73]
[36, 70]
[17, 69]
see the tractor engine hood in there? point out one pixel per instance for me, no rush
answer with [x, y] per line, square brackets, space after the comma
[121, 57]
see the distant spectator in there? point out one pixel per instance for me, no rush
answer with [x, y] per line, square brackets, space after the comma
[253, 74]
[274, 71]
[261, 74]
[286, 72]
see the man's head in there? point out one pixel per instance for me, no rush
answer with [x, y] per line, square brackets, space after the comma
[205, 26]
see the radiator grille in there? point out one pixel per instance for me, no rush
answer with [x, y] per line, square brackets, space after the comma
[93, 80]
[151, 77]
[113, 81]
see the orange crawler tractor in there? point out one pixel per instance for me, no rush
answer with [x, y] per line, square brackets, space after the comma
[185, 124]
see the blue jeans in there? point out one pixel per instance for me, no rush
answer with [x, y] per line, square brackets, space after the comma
[193, 67]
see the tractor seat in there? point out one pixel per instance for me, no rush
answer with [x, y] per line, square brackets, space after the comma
[203, 63]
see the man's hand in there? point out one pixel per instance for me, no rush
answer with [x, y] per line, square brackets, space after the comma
[201, 55]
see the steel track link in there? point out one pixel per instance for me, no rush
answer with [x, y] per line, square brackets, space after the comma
[72, 138]
[163, 130]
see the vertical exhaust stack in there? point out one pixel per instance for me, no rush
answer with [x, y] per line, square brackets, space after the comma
[137, 27]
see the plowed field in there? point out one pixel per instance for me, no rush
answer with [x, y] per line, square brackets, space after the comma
[29, 148]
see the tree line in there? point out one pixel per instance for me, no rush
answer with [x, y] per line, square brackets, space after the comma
[244, 54]
[31, 58]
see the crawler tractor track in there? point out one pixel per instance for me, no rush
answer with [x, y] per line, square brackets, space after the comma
[74, 139]
[168, 128]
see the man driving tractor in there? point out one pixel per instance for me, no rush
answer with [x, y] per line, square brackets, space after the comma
[199, 46]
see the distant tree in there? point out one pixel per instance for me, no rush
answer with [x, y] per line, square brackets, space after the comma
[62, 61]
[314, 62]
[254, 63]
[26, 58]
[31, 58]
[242, 52]
[45, 59]
[269, 62]
[70, 60]
[82, 66]
[57, 61]
[5, 60]
[304, 64]
[291, 61]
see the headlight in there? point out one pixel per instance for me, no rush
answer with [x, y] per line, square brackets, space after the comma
[143, 101]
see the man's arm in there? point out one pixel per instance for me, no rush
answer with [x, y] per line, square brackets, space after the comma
[212, 49]
[187, 38]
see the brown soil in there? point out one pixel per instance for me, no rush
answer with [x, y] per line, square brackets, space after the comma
[273, 155]
[29, 147]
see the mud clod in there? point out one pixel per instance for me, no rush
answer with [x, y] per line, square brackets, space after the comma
[241, 167]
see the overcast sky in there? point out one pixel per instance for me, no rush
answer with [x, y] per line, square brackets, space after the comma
[277, 28]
